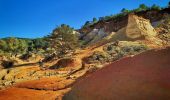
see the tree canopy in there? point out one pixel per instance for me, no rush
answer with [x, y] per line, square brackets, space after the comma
[63, 38]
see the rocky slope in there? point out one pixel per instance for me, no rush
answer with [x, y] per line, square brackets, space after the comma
[142, 77]
[105, 45]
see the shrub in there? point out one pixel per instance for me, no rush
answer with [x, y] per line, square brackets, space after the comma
[133, 49]
[98, 57]
[26, 56]
[116, 52]
[7, 64]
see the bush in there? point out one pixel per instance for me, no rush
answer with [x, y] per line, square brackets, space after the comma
[7, 64]
[116, 52]
[133, 49]
[26, 56]
[98, 57]
[49, 57]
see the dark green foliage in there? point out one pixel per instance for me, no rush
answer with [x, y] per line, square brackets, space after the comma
[26, 56]
[13, 45]
[16, 46]
[87, 23]
[3, 45]
[7, 64]
[124, 11]
[49, 57]
[63, 38]
[40, 43]
[128, 50]
[143, 7]
[117, 52]
[106, 18]
[95, 20]
[155, 7]
[98, 57]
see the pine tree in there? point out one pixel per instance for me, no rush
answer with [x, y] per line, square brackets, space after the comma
[124, 11]
[155, 7]
[95, 20]
[63, 38]
[143, 7]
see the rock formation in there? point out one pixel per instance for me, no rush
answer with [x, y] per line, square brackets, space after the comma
[139, 27]
[95, 36]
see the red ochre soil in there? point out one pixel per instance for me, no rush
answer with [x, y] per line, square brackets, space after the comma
[29, 94]
[142, 77]
[53, 84]
[43, 89]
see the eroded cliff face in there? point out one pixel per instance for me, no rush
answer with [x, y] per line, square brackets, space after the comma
[113, 25]
[139, 27]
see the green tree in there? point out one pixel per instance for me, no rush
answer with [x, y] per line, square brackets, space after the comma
[95, 20]
[155, 7]
[101, 18]
[39, 43]
[169, 4]
[3, 45]
[87, 23]
[23, 46]
[124, 11]
[63, 38]
[143, 7]
[30, 46]
[107, 17]
[13, 44]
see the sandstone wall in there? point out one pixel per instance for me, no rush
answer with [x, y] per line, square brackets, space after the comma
[139, 27]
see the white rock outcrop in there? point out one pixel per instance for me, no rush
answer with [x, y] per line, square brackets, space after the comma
[95, 35]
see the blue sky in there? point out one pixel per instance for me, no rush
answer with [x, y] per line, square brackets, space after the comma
[37, 18]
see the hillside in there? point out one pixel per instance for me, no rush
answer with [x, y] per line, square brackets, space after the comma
[141, 77]
[96, 59]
